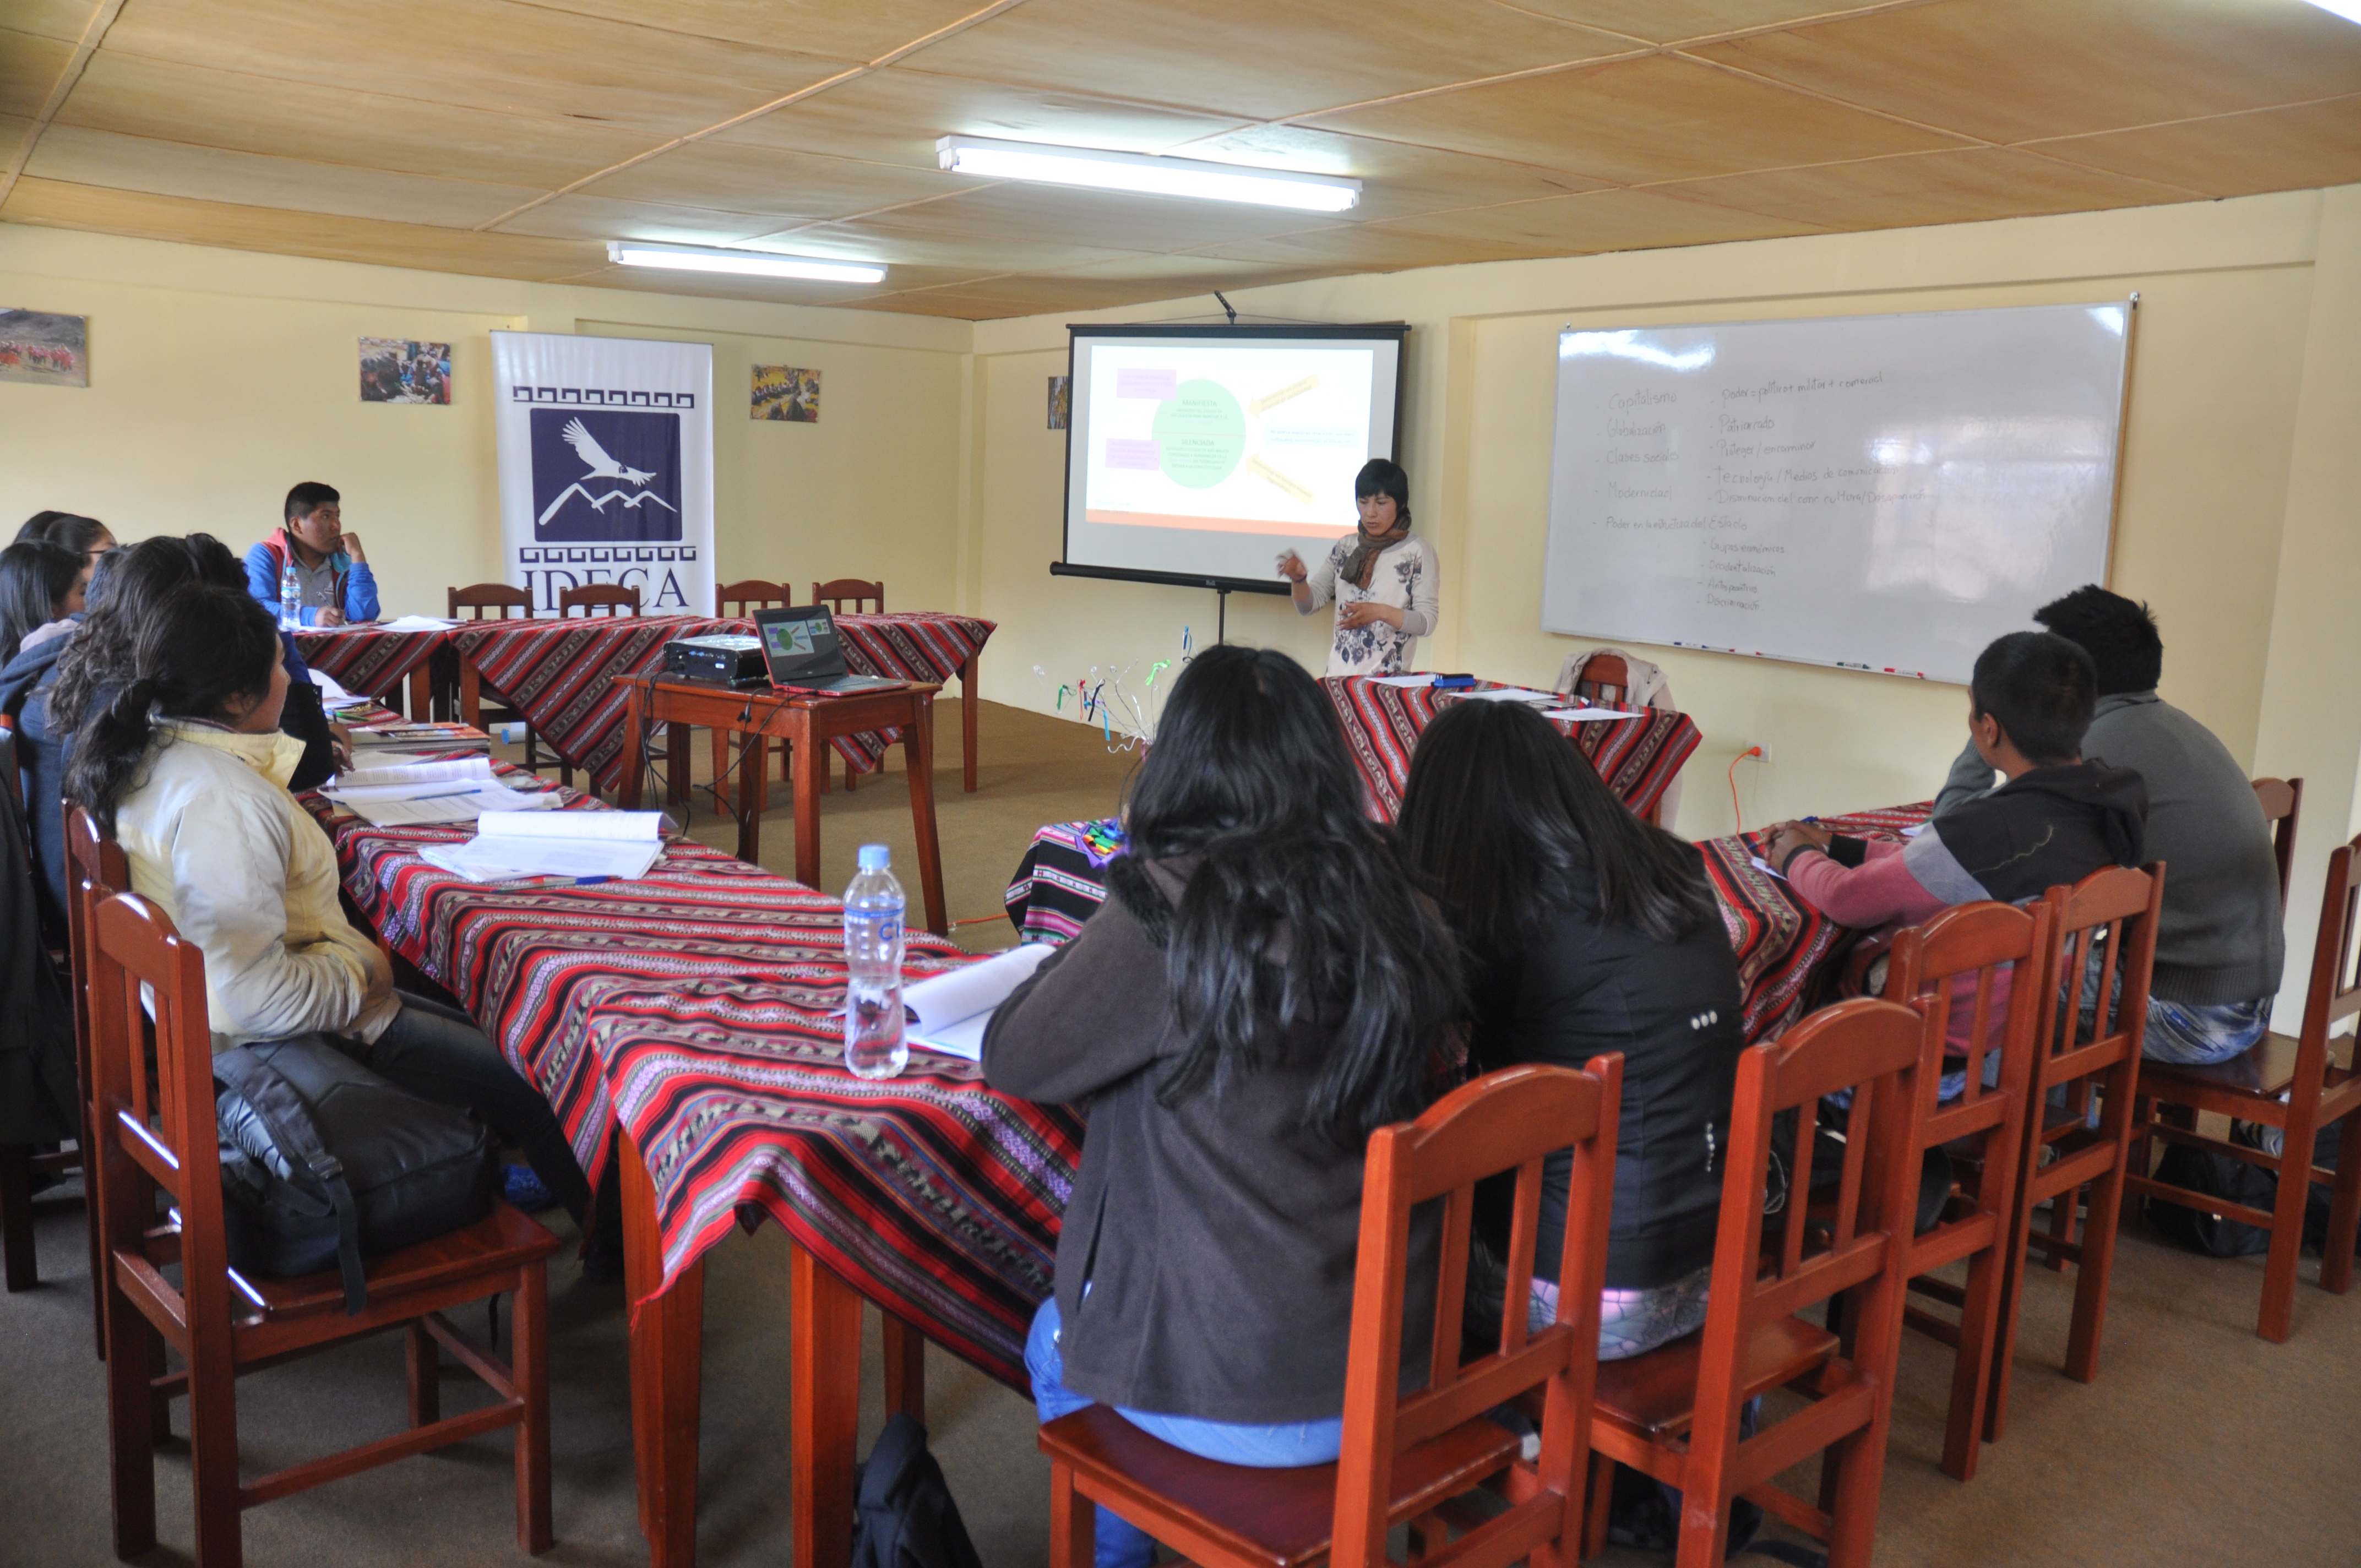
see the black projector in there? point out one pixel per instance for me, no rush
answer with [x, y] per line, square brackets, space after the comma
[722, 659]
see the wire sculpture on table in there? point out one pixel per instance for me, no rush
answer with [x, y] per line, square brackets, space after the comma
[1126, 720]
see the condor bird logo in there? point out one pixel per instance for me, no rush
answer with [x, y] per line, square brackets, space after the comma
[606, 475]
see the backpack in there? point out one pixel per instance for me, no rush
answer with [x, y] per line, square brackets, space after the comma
[904, 1514]
[324, 1163]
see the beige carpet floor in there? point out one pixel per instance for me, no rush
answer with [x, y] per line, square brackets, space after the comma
[2199, 1445]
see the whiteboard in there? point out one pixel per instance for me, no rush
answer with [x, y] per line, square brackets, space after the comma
[1884, 493]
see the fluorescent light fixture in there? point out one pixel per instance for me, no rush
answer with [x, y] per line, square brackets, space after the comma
[2348, 9]
[1146, 175]
[754, 263]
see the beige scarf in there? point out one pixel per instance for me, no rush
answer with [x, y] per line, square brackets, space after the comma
[1366, 548]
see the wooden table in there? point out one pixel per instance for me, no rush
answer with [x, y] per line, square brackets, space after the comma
[806, 724]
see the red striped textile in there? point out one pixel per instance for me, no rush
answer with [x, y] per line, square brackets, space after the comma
[699, 1007]
[1638, 758]
[364, 658]
[560, 673]
[1784, 944]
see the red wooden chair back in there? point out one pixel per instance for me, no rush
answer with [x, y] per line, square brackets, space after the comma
[1674, 1412]
[1404, 1455]
[1960, 959]
[749, 594]
[2282, 804]
[477, 597]
[598, 599]
[1603, 679]
[2101, 948]
[865, 597]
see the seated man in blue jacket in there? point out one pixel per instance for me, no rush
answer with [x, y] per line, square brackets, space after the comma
[331, 570]
[2219, 944]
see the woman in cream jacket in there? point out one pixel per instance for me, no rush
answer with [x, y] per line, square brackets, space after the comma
[186, 766]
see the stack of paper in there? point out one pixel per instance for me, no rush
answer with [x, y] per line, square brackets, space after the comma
[416, 623]
[1584, 713]
[1413, 680]
[950, 1011]
[617, 845]
[408, 794]
[440, 737]
[1513, 693]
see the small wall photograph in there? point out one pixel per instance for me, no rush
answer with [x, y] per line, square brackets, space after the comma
[781, 391]
[45, 348]
[401, 370]
[1061, 400]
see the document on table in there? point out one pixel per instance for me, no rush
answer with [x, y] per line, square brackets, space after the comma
[950, 1011]
[416, 623]
[413, 794]
[1587, 714]
[616, 845]
[1513, 693]
[1426, 680]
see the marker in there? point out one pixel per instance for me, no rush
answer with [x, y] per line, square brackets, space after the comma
[526, 885]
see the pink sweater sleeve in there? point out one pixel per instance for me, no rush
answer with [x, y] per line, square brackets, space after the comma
[1878, 891]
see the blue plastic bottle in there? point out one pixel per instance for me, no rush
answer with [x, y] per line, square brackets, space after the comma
[873, 1044]
[290, 597]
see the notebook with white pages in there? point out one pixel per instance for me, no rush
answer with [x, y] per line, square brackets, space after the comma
[612, 845]
[949, 1012]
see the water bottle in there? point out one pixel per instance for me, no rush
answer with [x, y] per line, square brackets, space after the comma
[291, 596]
[874, 1047]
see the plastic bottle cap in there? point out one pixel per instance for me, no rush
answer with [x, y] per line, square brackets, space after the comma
[875, 857]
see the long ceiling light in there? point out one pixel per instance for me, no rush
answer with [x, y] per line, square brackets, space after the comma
[1146, 175]
[753, 263]
[2348, 9]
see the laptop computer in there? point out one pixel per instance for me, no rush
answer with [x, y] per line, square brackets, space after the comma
[801, 645]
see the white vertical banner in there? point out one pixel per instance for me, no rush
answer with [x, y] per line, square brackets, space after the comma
[605, 450]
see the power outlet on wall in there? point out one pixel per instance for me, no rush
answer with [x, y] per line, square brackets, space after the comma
[1755, 751]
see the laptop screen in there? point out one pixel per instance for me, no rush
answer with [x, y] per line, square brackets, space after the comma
[799, 642]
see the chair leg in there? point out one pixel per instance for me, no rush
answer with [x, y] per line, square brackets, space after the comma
[22, 1270]
[1971, 1369]
[130, 1430]
[721, 768]
[2277, 1318]
[1602, 1494]
[1073, 1522]
[2061, 1225]
[2097, 1267]
[2344, 1216]
[529, 1370]
[424, 1363]
[1852, 1512]
[213, 1454]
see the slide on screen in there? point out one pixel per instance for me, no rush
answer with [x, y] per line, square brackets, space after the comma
[1211, 459]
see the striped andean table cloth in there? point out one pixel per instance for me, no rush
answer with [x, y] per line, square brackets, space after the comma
[698, 1007]
[560, 673]
[367, 658]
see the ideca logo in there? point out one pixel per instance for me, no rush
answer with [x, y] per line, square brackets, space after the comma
[606, 475]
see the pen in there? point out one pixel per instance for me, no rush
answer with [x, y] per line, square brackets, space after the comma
[526, 885]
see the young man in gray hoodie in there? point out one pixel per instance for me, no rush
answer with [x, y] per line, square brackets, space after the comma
[2219, 945]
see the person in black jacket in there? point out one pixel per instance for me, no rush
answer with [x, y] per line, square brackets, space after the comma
[1588, 931]
[1264, 987]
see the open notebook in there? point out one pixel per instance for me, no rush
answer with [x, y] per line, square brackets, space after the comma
[948, 1011]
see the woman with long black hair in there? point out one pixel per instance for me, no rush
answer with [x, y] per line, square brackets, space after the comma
[182, 760]
[40, 590]
[1264, 987]
[1588, 931]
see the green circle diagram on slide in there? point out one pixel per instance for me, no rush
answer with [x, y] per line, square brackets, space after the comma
[1201, 433]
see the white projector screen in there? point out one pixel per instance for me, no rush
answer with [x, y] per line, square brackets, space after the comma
[1196, 455]
[1884, 493]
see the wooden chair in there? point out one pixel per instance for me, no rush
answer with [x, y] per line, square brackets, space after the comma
[1673, 1413]
[2295, 1085]
[1404, 1455]
[598, 598]
[865, 597]
[2102, 946]
[1984, 1128]
[19, 1163]
[222, 1323]
[476, 599]
[2282, 803]
[95, 872]
[1601, 678]
[748, 595]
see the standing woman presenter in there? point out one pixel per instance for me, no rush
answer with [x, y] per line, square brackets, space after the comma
[1384, 578]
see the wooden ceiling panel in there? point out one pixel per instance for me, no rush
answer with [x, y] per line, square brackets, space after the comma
[1606, 220]
[1030, 295]
[2011, 69]
[1062, 214]
[497, 54]
[1374, 247]
[1255, 58]
[875, 240]
[30, 64]
[789, 186]
[863, 32]
[585, 216]
[785, 290]
[51, 19]
[1639, 120]
[1672, 21]
[228, 109]
[57, 204]
[1932, 188]
[208, 174]
[893, 116]
[1398, 178]
[2238, 155]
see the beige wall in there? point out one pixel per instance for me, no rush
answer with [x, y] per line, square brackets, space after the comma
[2224, 323]
[220, 377]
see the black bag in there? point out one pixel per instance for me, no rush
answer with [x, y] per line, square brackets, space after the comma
[324, 1163]
[904, 1514]
[2219, 1176]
